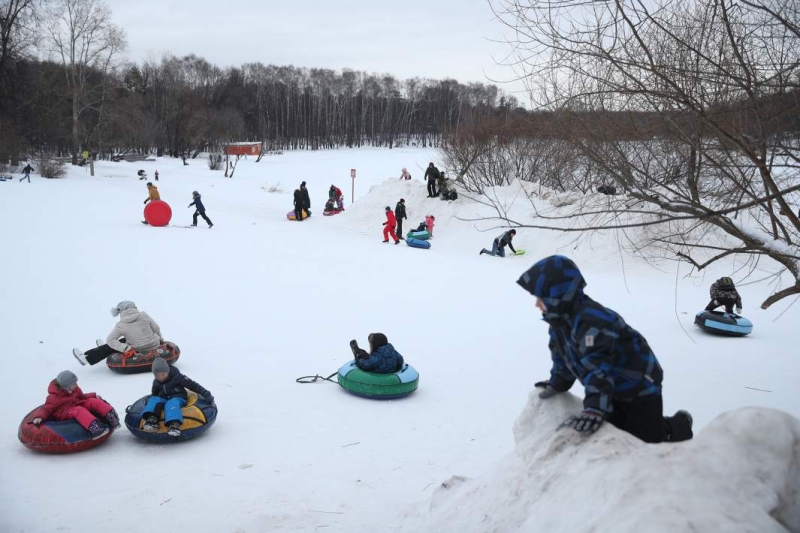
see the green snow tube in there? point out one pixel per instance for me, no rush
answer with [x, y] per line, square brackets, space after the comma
[378, 386]
[420, 235]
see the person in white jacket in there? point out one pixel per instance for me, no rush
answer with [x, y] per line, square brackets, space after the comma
[135, 330]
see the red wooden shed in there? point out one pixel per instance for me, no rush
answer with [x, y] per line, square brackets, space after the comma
[243, 148]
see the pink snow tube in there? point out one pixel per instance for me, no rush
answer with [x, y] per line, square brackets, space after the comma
[157, 213]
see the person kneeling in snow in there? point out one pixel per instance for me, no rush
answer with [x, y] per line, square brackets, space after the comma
[135, 330]
[382, 357]
[723, 292]
[620, 373]
[500, 243]
[335, 196]
[66, 401]
[169, 390]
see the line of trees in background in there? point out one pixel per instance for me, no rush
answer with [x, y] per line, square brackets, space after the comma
[64, 88]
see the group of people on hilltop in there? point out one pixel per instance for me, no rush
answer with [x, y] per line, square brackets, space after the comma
[438, 184]
[197, 202]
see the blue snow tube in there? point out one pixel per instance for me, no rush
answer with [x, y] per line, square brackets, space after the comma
[417, 243]
[198, 415]
[718, 323]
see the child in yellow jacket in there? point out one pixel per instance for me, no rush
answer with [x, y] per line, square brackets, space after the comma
[153, 193]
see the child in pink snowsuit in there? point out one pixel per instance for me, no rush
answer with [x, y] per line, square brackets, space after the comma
[429, 220]
[66, 401]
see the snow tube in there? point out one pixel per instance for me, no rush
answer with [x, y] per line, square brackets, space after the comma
[329, 213]
[157, 213]
[133, 362]
[419, 235]
[198, 415]
[66, 436]
[290, 214]
[416, 243]
[720, 323]
[378, 386]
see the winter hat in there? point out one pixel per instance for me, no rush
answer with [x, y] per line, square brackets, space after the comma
[388, 208]
[160, 365]
[402, 200]
[66, 379]
[303, 184]
[195, 193]
[122, 306]
[376, 340]
[149, 183]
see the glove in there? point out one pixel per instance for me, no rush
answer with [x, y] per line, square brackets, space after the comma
[738, 310]
[587, 422]
[144, 202]
[37, 421]
[548, 391]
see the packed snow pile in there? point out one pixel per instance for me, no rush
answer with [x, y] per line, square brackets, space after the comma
[740, 473]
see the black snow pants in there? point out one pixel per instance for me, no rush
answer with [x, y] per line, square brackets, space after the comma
[95, 355]
[727, 302]
[202, 214]
[298, 214]
[400, 228]
[431, 188]
[644, 418]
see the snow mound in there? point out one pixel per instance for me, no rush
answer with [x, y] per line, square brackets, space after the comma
[741, 473]
[369, 210]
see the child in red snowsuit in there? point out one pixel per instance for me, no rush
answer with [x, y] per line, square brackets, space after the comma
[66, 401]
[389, 225]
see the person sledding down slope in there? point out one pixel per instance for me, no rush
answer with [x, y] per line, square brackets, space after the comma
[588, 342]
[135, 329]
[382, 357]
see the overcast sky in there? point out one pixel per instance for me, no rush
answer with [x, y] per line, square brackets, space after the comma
[408, 38]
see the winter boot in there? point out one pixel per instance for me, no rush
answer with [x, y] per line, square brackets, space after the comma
[80, 356]
[150, 424]
[387, 240]
[680, 426]
[211, 225]
[483, 251]
[174, 429]
[113, 419]
[97, 430]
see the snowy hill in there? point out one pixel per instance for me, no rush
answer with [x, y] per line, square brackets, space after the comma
[258, 301]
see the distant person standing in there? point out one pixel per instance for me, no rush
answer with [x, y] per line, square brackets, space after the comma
[389, 225]
[184, 156]
[500, 243]
[26, 173]
[400, 215]
[431, 174]
[200, 210]
[306, 198]
[156, 175]
[298, 205]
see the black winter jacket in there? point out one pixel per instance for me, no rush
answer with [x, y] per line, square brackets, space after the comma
[176, 385]
[306, 199]
[298, 198]
[432, 174]
[400, 211]
[198, 204]
[505, 240]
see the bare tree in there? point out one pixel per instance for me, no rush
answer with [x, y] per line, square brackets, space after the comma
[689, 108]
[81, 35]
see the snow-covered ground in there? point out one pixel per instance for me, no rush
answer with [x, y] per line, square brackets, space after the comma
[258, 301]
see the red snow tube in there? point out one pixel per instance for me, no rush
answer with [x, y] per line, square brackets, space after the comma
[157, 213]
[52, 436]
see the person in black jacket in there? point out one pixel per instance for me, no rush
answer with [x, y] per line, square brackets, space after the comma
[298, 205]
[620, 374]
[400, 214]
[431, 174]
[200, 210]
[26, 173]
[169, 390]
[306, 198]
[500, 243]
